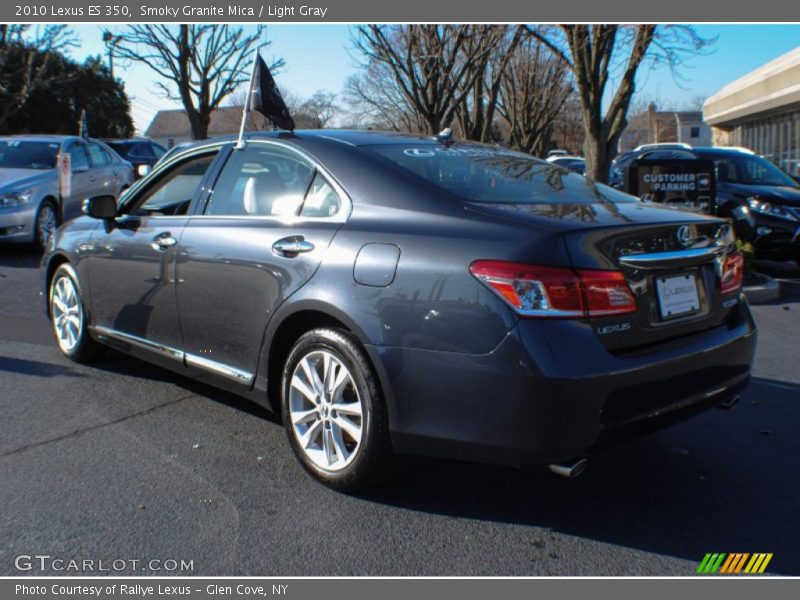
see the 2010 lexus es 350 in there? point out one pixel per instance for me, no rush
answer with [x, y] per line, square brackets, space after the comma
[388, 293]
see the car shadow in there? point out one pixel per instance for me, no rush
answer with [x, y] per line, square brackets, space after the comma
[682, 492]
[35, 368]
[715, 483]
[14, 256]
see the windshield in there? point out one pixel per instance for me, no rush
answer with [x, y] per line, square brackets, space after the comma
[748, 169]
[19, 154]
[499, 176]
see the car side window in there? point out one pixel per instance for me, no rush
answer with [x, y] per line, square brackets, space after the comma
[77, 155]
[141, 150]
[157, 150]
[261, 180]
[321, 199]
[97, 155]
[172, 192]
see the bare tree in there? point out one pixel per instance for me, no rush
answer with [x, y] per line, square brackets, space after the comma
[431, 66]
[26, 55]
[493, 46]
[374, 101]
[595, 54]
[533, 91]
[199, 64]
[319, 110]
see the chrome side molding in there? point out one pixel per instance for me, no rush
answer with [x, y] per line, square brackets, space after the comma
[675, 258]
[139, 342]
[201, 362]
[190, 360]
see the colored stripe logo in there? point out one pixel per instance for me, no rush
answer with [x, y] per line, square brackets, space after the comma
[734, 563]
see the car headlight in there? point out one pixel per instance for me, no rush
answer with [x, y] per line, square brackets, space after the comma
[15, 198]
[767, 208]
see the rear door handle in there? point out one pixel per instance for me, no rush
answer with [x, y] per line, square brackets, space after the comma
[292, 246]
[163, 241]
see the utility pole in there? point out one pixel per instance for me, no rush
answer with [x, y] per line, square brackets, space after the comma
[111, 40]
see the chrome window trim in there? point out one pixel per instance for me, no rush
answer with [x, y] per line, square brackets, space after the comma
[159, 167]
[341, 217]
[191, 360]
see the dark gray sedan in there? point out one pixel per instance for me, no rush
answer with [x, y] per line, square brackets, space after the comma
[387, 293]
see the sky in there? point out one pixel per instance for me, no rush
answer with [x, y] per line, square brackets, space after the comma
[320, 57]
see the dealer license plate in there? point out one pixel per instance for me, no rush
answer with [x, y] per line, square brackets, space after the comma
[677, 296]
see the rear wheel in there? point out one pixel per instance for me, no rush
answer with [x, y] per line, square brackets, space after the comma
[68, 316]
[45, 223]
[333, 411]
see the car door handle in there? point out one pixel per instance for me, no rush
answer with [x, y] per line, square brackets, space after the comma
[163, 241]
[92, 179]
[292, 246]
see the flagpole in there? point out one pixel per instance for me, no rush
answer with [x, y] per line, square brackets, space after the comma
[240, 143]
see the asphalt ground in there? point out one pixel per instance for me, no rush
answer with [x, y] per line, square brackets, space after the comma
[125, 461]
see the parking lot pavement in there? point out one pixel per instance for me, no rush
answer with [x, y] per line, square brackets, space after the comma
[125, 461]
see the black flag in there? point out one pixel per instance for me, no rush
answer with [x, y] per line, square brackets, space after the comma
[266, 99]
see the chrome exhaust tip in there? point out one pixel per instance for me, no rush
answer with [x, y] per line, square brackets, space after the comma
[729, 403]
[569, 470]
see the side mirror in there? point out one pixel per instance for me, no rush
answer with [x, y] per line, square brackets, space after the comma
[100, 207]
[143, 170]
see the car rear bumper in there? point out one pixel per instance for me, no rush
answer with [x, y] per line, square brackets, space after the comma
[16, 224]
[551, 392]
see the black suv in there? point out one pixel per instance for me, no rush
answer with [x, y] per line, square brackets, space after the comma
[142, 153]
[763, 200]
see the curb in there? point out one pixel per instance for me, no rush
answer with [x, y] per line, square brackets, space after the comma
[763, 292]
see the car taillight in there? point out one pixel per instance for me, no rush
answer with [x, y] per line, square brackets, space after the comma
[536, 291]
[732, 273]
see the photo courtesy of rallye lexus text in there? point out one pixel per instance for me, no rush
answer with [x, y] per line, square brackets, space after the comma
[392, 294]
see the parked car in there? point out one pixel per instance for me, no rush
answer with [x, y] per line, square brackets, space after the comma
[556, 153]
[573, 163]
[31, 204]
[388, 293]
[763, 200]
[142, 153]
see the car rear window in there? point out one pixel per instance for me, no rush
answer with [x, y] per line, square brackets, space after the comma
[496, 175]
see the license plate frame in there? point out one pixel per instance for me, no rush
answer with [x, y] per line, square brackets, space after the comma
[678, 295]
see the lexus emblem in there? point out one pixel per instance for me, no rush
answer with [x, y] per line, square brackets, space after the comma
[687, 235]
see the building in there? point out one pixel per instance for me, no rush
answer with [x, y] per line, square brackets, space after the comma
[171, 127]
[654, 126]
[761, 111]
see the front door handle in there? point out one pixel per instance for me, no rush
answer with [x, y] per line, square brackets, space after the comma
[292, 246]
[163, 241]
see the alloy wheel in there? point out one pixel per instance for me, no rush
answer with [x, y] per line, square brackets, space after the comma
[46, 224]
[67, 313]
[326, 411]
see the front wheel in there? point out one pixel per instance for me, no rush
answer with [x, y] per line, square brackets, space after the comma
[45, 224]
[68, 315]
[333, 411]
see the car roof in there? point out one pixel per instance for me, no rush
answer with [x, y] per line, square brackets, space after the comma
[350, 137]
[40, 137]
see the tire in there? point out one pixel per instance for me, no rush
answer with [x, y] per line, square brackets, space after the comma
[339, 433]
[69, 317]
[45, 223]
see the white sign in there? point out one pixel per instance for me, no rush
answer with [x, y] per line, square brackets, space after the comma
[65, 174]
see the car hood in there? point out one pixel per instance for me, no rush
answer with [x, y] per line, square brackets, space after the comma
[567, 217]
[777, 194]
[12, 179]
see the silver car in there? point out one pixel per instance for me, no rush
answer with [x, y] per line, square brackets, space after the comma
[31, 203]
